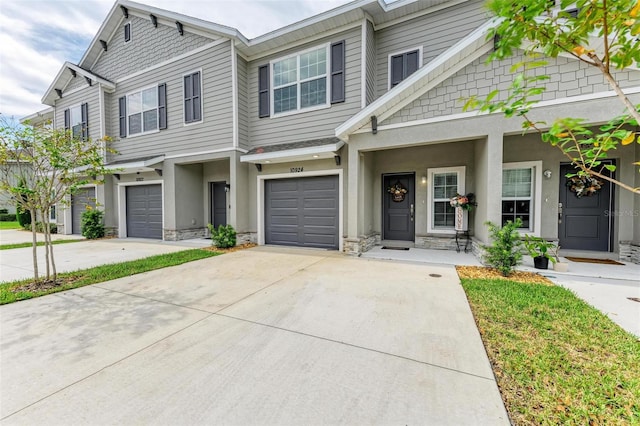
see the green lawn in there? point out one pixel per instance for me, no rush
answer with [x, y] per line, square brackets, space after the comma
[40, 243]
[103, 273]
[556, 359]
[9, 225]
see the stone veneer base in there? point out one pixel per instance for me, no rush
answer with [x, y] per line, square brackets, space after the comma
[184, 234]
[629, 252]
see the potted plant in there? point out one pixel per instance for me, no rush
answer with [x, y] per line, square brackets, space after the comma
[558, 265]
[540, 250]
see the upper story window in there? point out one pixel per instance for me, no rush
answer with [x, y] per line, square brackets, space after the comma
[192, 97]
[308, 80]
[301, 81]
[519, 184]
[143, 111]
[127, 32]
[403, 64]
[445, 183]
[76, 120]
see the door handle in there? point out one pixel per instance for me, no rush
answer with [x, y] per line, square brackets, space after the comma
[411, 211]
[559, 212]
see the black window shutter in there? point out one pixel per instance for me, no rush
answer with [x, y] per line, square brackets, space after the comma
[67, 119]
[411, 63]
[337, 72]
[195, 80]
[122, 108]
[162, 106]
[84, 111]
[397, 70]
[263, 91]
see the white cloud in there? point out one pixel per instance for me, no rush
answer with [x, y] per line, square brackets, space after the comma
[38, 36]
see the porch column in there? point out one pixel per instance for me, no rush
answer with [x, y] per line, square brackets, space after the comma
[488, 177]
[169, 200]
[239, 194]
[352, 243]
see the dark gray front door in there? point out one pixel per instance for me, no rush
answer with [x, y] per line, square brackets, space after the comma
[584, 223]
[218, 207]
[79, 202]
[398, 210]
[302, 212]
[144, 211]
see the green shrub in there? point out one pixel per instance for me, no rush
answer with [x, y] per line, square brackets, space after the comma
[4, 211]
[24, 217]
[6, 217]
[53, 228]
[92, 226]
[504, 253]
[223, 237]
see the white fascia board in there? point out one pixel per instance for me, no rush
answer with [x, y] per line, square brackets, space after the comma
[324, 151]
[106, 83]
[68, 65]
[45, 114]
[136, 166]
[446, 64]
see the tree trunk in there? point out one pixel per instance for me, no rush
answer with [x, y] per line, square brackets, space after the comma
[45, 224]
[34, 235]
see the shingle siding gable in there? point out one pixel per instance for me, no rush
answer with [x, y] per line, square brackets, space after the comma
[568, 77]
[148, 46]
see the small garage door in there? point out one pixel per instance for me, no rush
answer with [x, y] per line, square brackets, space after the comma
[144, 211]
[79, 202]
[302, 212]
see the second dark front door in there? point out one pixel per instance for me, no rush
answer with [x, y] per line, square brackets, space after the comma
[218, 207]
[583, 221]
[398, 205]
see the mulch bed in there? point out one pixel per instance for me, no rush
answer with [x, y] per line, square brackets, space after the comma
[230, 249]
[481, 272]
[35, 287]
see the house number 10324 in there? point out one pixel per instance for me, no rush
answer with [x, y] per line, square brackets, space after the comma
[296, 169]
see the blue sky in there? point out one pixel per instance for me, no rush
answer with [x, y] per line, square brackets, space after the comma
[38, 36]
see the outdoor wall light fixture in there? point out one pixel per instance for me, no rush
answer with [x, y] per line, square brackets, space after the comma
[337, 159]
[424, 179]
[227, 187]
[547, 174]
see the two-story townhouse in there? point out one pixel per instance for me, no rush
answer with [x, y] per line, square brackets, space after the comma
[295, 137]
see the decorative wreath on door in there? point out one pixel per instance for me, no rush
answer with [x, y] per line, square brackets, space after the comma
[584, 186]
[397, 192]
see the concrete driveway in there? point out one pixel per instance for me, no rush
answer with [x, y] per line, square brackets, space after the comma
[261, 336]
[17, 264]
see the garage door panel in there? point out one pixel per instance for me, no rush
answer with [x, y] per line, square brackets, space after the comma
[302, 211]
[144, 211]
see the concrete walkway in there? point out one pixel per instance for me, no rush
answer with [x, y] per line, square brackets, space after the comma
[260, 336]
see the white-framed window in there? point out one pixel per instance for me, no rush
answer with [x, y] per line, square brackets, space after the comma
[142, 111]
[444, 184]
[75, 121]
[299, 82]
[402, 64]
[52, 214]
[192, 88]
[521, 193]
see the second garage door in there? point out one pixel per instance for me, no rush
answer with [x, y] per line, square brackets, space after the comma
[144, 211]
[302, 212]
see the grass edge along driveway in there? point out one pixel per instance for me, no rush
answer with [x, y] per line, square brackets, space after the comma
[102, 273]
[556, 359]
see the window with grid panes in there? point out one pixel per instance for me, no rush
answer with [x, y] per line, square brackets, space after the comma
[517, 190]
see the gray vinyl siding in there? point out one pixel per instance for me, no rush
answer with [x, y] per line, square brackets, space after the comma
[243, 107]
[313, 124]
[435, 32]
[148, 46]
[214, 132]
[76, 82]
[568, 77]
[371, 63]
[109, 129]
[88, 95]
